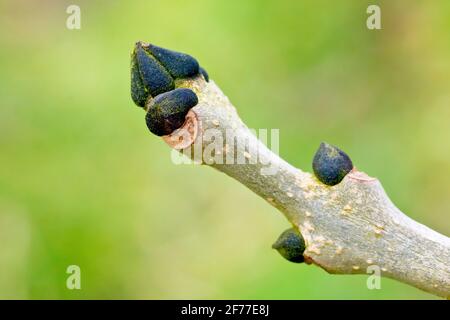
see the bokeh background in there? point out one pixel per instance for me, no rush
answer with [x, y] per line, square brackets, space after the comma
[83, 182]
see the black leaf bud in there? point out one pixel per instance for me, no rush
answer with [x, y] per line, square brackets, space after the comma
[179, 65]
[167, 111]
[331, 164]
[291, 245]
[148, 77]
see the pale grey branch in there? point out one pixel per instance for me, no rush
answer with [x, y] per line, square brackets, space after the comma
[346, 227]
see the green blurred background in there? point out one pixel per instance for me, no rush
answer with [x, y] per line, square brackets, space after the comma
[83, 182]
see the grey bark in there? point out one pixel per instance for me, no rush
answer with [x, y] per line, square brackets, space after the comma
[346, 227]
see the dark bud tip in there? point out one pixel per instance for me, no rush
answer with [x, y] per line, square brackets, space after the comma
[331, 164]
[148, 77]
[154, 70]
[167, 111]
[139, 93]
[205, 74]
[179, 65]
[291, 245]
[154, 77]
